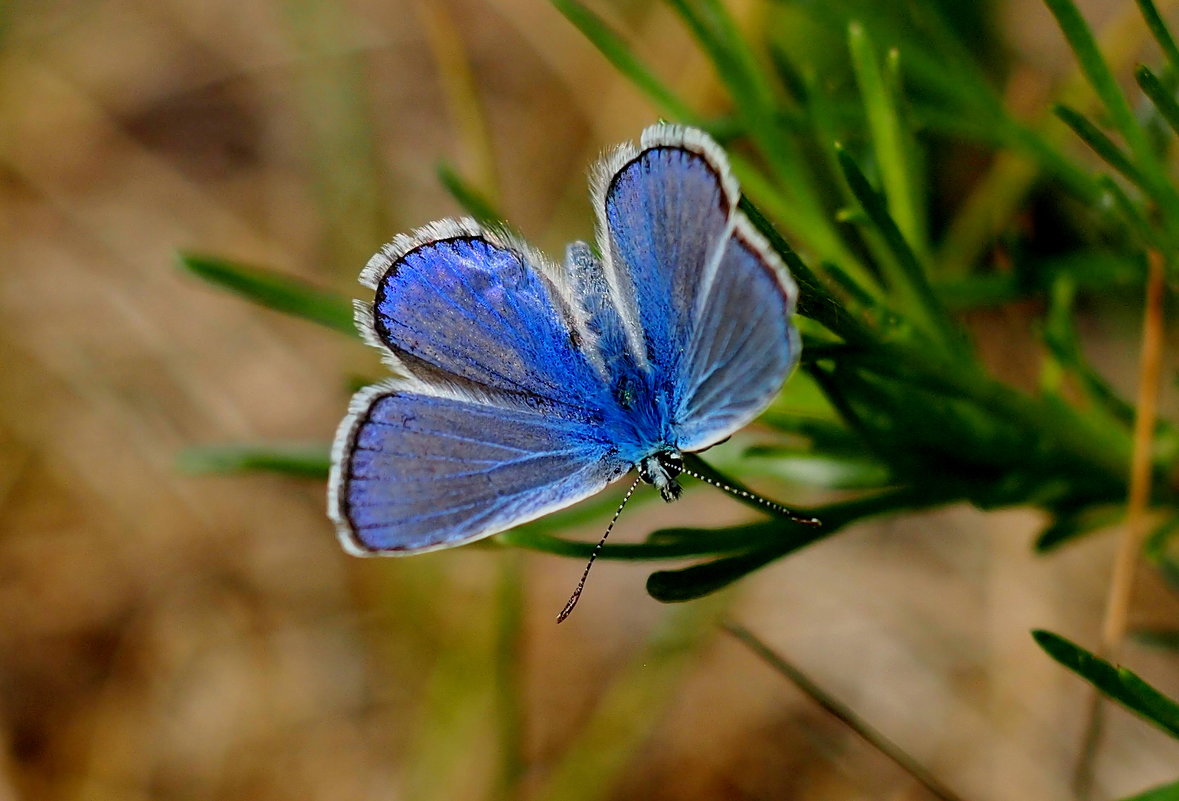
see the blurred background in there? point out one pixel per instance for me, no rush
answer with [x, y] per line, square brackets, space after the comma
[176, 636]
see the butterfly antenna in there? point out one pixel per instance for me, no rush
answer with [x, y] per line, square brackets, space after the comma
[776, 508]
[572, 602]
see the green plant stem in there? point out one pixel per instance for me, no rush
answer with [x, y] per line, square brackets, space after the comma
[888, 137]
[1159, 31]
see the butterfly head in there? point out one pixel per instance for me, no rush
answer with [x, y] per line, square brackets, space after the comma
[661, 469]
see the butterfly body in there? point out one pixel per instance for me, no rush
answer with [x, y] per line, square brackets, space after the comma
[524, 387]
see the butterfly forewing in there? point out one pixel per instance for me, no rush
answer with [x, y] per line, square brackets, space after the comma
[456, 303]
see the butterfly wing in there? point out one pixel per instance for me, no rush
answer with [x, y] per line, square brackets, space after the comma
[456, 303]
[494, 420]
[705, 302]
[415, 472]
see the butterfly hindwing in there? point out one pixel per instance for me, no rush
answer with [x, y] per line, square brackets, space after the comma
[743, 347]
[414, 472]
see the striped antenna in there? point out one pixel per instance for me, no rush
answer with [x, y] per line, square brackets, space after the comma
[572, 602]
[776, 508]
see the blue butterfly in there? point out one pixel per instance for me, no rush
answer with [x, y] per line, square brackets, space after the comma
[524, 387]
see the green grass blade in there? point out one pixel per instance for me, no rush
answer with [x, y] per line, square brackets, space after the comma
[909, 279]
[756, 104]
[274, 290]
[810, 222]
[672, 586]
[826, 470]
[295, 459]
[1163, 99]
[1118, 683]
[814, 301]
[677, 547]
[473, 202]
[619, 54]
[688, 584]
[888, 136]
[787, 73]
[1068, 527]
[1161, 33]
[712, 27]
[1102, 145]
[1131, 213]
[1093, 65]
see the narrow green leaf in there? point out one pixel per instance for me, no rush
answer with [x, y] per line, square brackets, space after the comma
[1102, 145]
[1061, 338]
[727, 539]
[1163, 99]
[675, 586]
[1096, 70]
[1161, 33]
[1068, 527]
[755, 102]
[713, 28]
[619, 53]
[814, 300]
[677, 545]
[685, 584]
[297, 459]
[788, 74]
[274, 290]
[471, 199]
[826, 436]
[1130, 212]
[1118, 683]
[909, 279]
[888, 137]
